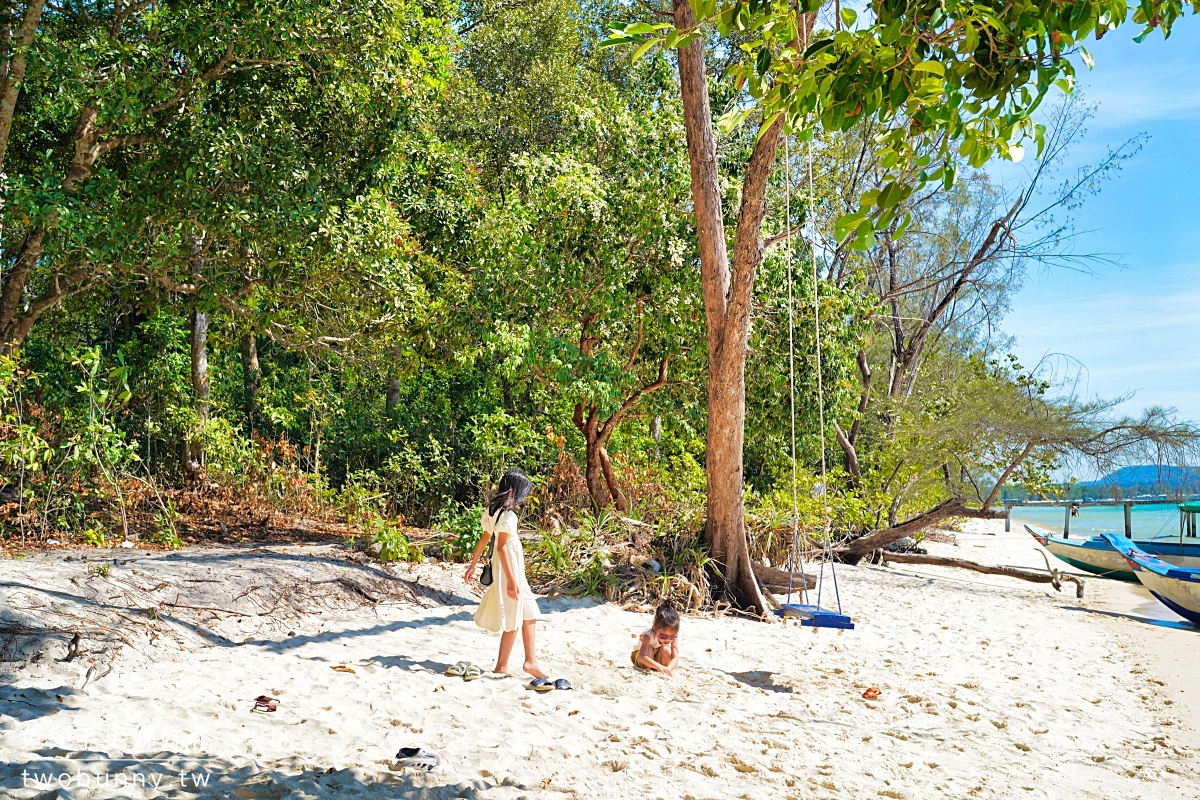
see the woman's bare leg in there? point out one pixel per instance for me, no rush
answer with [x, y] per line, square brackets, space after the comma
[507, 640]
[531, 665]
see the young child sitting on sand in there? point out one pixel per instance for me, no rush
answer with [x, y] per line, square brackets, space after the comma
[659, 644]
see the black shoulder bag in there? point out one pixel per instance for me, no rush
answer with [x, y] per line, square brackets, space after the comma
[485, 576]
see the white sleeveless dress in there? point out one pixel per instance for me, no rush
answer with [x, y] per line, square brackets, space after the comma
[497, 611]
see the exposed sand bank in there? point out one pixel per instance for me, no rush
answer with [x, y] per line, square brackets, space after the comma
[991, 687]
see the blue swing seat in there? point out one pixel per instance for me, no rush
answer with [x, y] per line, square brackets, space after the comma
[815, 616]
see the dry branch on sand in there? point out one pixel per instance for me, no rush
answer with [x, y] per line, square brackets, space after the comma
[1052, 576]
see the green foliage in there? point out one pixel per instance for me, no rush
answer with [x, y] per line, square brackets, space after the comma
[448, 248]
[165, 534]
[949, 80]
[464, 526]
[393, 544]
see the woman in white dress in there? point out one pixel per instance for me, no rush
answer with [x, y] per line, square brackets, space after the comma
[508, 605]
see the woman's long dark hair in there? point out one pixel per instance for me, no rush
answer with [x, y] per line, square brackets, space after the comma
[514, 487]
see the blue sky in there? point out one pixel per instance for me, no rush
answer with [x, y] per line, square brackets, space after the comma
[1133, 328]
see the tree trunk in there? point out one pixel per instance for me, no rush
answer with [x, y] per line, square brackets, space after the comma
[610, 480]
[724, 525]
[193, 450]
[393, 386]
[15, 283]
[987, 503]
[14, 71]
[727, 299]
[593, 470]
[251, 380]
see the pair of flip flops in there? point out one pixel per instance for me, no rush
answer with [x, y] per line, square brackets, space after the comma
[417, 758]
[547, 685]
[264, 704]
[465, 670]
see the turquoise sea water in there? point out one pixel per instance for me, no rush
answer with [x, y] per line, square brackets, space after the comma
[1154, 521]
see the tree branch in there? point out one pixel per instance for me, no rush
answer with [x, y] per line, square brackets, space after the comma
[15, 72]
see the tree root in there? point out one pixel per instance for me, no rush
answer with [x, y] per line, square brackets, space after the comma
[1053, 577]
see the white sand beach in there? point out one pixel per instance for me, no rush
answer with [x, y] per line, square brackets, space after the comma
[990, 688]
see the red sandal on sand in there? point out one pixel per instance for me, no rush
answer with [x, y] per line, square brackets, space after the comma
[264, 704]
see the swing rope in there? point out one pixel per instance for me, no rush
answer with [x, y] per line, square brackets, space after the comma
[787, 202]
[825, 518]
[797, 558]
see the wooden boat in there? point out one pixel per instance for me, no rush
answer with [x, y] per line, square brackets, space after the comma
[1097, 556]
[1177, 588]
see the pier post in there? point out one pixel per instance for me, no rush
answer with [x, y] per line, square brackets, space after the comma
[1128, 520]
[1067, 523]
[1007, 517]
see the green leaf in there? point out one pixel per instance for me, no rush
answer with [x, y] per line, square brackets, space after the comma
[932, 67]
[643, 28]
[849, 16]
[641, 51]
[733, 119]
[817, 47]
[617, 39]
[865, 235]
[847, 223]
[1087, 58]
[950, 175]
[763, 62]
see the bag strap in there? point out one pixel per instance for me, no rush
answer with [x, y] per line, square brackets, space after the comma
[492, 540]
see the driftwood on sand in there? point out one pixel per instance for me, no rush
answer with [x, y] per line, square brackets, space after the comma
[1053, 577]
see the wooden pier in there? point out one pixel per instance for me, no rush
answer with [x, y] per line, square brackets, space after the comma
[1188, 511]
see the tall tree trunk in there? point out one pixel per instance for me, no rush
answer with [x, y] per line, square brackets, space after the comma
[727, 299]
[193, 450]
[251, 379]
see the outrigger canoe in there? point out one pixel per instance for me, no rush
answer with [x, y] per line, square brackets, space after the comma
[1097, 556]
[1177, 588]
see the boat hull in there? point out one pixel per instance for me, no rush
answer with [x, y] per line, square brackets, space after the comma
[1177, 588]
[1097, 556]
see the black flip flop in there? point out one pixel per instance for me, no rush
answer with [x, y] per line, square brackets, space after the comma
[563, 683]
[541, 685]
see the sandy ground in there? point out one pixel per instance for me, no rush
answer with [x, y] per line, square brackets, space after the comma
[990, 688]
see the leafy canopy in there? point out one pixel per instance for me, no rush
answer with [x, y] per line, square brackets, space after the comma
[949, 78]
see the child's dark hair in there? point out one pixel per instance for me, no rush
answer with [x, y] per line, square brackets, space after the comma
[666, 618]
[514, 487]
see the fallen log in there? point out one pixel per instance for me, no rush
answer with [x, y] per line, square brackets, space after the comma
[777, 580]
[1053, 577]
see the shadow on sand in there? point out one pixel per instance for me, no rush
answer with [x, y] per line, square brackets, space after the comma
[60, 774]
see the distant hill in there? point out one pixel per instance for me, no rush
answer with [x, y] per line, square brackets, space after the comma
[1143, 479]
